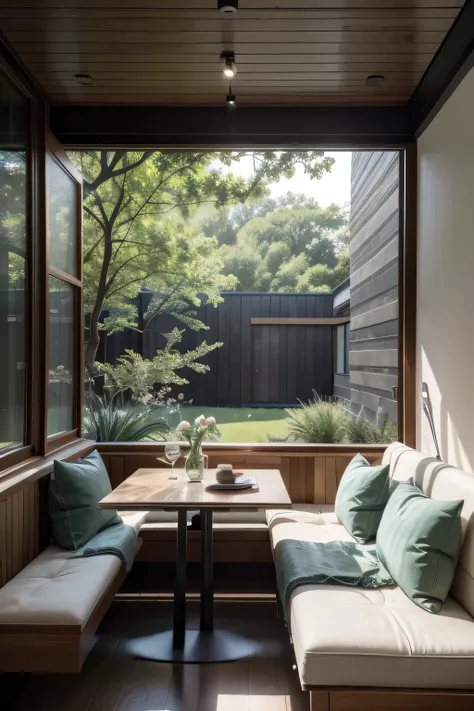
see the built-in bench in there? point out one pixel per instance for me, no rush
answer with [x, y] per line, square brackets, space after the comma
[358, 648]
[50, 610]
[51, 605]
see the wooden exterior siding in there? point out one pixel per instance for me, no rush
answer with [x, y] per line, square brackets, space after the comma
[374, 228]
[265, 363]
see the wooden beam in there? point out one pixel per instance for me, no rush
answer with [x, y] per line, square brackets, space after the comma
[247, 128]
[257, 321]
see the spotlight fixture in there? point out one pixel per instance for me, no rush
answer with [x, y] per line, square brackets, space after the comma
[83, 79]
[230, 69]
[227, 5]
[374, 80]
[230, 98]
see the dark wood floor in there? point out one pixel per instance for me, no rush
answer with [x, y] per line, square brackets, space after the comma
[112, 680]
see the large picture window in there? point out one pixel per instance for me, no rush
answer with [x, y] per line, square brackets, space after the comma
[14, 266]
[256, 287]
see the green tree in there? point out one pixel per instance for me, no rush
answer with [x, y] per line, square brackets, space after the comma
[135, 232]
[297, 247]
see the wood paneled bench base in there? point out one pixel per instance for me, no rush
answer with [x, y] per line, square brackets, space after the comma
[232, 544]
[359, 699]
[53, 648]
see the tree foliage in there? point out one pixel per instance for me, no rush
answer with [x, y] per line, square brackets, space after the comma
[13, 212]
[291, 245]
[137, 231]
[140, 375]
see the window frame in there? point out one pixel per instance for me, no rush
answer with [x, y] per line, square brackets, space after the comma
[17, 455]
[56, 152]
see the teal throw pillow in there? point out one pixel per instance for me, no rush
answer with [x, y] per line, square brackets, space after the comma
[361, 498]
[74, 491]
[418, 542]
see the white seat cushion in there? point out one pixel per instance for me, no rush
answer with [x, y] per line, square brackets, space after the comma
[355, 637]
[347, 636]
[55, 589]
[134, 518]
[304, 525]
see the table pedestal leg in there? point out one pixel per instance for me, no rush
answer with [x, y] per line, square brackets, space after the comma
[179, 608]
[207, 562]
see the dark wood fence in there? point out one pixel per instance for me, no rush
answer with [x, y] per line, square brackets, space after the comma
[258, 363]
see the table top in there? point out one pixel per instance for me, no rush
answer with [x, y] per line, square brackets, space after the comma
[149, 489]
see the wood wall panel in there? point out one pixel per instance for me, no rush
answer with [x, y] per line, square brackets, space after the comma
[20, 530]
[130, 51]
[309, 478]
[24, 527]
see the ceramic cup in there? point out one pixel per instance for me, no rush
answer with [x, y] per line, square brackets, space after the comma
[225, 474]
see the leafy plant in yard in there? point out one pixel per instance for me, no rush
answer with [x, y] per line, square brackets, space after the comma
[318, 421]
[361, 431]
[105, 421]
[140, 375]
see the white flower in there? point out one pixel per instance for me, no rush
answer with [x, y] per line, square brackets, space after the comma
[210, 421]
[199, 420]
[184, 425]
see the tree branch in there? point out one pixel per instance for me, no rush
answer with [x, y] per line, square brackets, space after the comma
[108, 170]
[92, 214]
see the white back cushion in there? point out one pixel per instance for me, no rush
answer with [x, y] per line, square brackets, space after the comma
[446, 483]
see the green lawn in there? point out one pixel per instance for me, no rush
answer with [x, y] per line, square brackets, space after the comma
[237, 424]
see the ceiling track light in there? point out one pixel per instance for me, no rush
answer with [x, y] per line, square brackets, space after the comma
[227, 5]
[374, 80]
[230, 98]
[83, 79]
[230, 68]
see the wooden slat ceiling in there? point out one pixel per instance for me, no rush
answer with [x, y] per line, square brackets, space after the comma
[167, 52]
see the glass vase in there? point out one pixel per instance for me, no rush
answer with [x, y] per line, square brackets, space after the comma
[195, 464]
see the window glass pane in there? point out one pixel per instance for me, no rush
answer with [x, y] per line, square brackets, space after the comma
[62, 218]
[13, 264]
[61, 397]
[235, 304]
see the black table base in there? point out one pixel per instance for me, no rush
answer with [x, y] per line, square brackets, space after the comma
[199, 647]
[192, 646]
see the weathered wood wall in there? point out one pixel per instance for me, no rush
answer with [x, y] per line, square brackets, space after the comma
[19, 530]
[257, 364]
[374, 228]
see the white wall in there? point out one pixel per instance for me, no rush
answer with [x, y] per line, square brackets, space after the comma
[445, 310]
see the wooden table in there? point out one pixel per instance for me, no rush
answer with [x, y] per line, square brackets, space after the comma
[151, 489]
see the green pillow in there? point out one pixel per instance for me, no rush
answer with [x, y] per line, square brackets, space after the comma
[361, 498]
[418, 542]
[74, 491]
